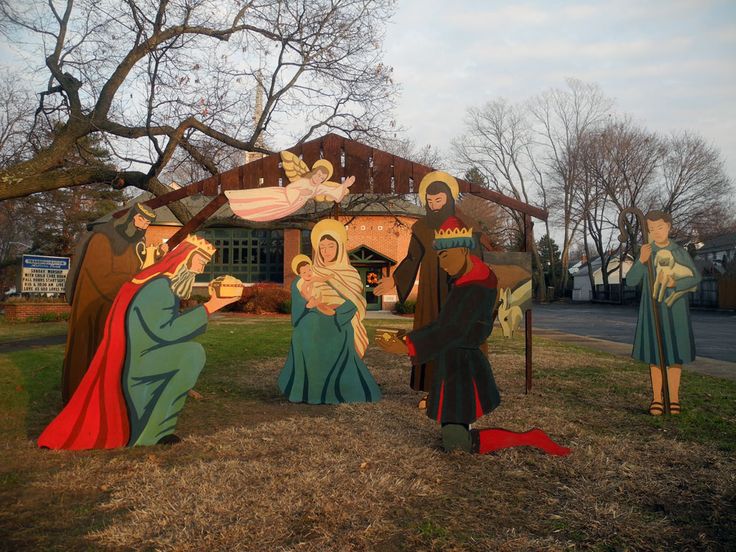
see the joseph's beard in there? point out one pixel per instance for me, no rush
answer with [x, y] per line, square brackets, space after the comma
[436, 218]
[182, 282]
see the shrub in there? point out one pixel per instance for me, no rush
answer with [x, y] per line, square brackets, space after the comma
[407, 307]
[285, 306]
[51, 317]
[264, 298]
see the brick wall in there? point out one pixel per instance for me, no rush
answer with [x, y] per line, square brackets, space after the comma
[32, 311]
[386, 234]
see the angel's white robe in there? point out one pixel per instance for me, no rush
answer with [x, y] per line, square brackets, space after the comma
[273, 203]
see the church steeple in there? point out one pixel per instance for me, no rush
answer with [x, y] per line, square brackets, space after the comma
[257, 114]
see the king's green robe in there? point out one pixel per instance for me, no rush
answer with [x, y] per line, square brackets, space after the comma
[677, 332]
[322, 366]
[162, 363]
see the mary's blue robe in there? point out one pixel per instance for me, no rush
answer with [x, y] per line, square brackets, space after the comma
[322, 366]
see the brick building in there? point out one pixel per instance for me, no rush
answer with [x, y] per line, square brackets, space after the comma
[379, 230]
[378, 223]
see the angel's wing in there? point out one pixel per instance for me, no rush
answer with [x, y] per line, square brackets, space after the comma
[294, 167]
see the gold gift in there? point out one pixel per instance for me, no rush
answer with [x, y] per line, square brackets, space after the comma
[226, 287]
[391, 340]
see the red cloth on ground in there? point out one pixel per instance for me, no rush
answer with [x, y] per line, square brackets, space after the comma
[490, 440]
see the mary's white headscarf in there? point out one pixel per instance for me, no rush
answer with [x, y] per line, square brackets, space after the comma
[343, 281]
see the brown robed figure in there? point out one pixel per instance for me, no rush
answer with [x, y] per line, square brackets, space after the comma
[102, 263]
[437, 192]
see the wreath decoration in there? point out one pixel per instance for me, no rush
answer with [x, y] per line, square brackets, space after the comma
[372, 278]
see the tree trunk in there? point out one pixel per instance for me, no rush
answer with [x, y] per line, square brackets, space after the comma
[552, 262]
[531, 245]
[591, 277]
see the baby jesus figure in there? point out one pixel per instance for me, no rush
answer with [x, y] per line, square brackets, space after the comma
[309, 287]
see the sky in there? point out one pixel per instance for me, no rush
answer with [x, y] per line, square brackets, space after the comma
[670, 65]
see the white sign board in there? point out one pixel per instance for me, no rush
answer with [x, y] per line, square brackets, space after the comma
[41, 274]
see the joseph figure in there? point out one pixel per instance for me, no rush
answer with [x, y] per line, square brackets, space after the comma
[437, 192]
[103, 262]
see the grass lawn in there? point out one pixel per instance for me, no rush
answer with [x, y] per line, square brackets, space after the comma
[255, 472]
[16, 331]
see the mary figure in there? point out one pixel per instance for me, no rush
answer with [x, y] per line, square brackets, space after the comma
[325, 361]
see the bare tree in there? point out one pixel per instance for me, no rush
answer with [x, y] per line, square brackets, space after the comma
[487, 218]
[593, 202]
[540, 179]
[625, 165]
[694, 187]
[496, 143]
[561, 117]
[153, 77]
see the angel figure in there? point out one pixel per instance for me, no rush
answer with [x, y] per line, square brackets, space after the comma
[273, 203]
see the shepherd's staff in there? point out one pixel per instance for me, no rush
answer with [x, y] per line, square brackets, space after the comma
[624, 237]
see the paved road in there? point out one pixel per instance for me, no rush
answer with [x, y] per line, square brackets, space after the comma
[715, 332]
[22, 344]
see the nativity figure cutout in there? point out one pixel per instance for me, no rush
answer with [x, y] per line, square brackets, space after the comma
[105, 259]
[276, 202]
[664, 335]
[437, 192]
[325, 363]
[514, 273]
[463, 387]
[139, 379]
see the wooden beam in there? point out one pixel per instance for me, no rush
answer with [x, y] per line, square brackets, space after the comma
[333, 152]
[495, 197]
[383, 170]
[197, 220]
[402, 174]
[357, 156]
[311, 152]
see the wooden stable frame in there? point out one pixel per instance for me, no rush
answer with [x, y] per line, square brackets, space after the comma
[376, 172]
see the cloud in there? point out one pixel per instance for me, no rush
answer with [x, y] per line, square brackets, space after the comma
[670, 63]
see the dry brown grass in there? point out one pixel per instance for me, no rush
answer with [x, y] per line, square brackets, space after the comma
[275, 476]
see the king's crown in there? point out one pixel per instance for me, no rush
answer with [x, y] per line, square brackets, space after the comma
[201, 244]
[453, 233]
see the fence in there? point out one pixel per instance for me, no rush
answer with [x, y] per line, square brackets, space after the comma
[707, 293]
[611, 293]
[727, 293]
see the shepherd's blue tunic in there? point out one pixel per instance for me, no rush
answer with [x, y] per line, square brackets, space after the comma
[677, 332]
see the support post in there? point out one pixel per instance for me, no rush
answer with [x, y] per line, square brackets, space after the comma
[528, 316]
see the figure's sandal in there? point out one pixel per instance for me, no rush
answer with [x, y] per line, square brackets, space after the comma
[422, 405]
[675, 408]
[656, 408]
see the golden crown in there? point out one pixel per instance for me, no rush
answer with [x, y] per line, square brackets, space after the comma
[201, 244]
[145, 210]
[453, 233]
